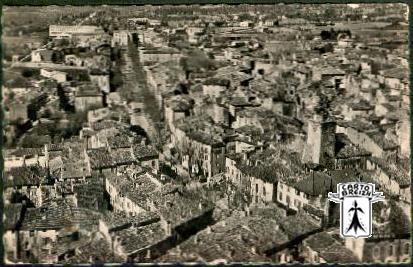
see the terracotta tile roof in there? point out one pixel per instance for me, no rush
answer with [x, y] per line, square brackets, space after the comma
[133, 239]
[75, 169]
[89, 194]
[178, 208]
[298, 225]
[57, 215]
[396, 172]
[205, 138]
[100, 125]
[118, 141]
[217, 81]
[55, 164]
[329, 249]
[100, 158]
[95, 251]
[139, 189]
[122, 156]
[381, 141]
[315, 184]
[86, 90]
[269, 173]
[120, 220]
[25, 152]
[397, 73]
[142, 152]
[232, 239]
[25, 176]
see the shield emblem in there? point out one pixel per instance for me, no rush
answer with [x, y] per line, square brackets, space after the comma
[356, 217]
[356, 208]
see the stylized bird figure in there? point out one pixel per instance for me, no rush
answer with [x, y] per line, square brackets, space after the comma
[355, 222]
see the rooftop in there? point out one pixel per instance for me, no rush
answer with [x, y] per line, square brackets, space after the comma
[88, 89]
[57, 215]
[120, 220]
[178, 208]
[24, 152]
[298, 225]
[139, 188]
[329, 249]
[381, 141]
[100, 158]
[233, 239]
[32, 175]
[394, 170]
[133, 239]
[144, 152]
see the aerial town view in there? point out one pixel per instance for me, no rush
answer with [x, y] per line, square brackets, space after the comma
[204, 133]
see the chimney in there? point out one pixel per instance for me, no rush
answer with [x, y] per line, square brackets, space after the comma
[244, 156]
[167, 228]
[253, 250]
[148, 254]
[247, 211]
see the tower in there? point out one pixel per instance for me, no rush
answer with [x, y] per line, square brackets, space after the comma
[320, 148]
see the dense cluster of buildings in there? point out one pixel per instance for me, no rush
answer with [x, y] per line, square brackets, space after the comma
[259, 118]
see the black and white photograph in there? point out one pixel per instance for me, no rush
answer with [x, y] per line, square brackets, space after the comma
[206, 133]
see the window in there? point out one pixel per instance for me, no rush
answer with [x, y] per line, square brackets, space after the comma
[256, 188]
[75, 236]
[280, 196]
[390, 250]
[406, 248]
[288, 201]
[382, 252]
[376, 252]
[263, 191]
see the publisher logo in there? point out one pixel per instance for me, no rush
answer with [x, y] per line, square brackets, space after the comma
[356, 201]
